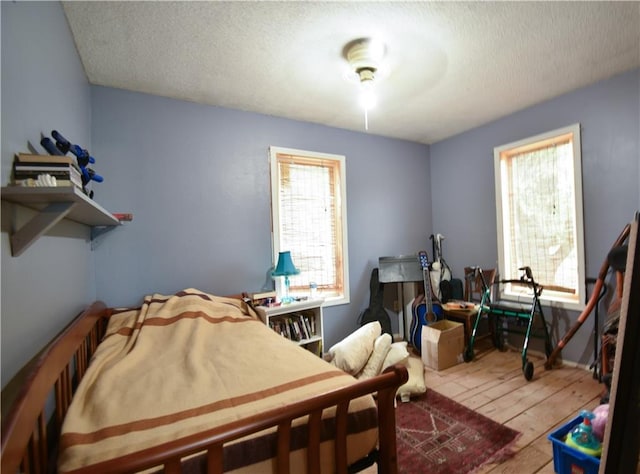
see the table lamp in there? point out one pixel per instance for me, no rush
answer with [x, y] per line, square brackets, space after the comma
[285, 267]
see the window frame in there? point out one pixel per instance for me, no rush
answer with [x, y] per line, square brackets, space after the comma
[341, 194]
[548, 297]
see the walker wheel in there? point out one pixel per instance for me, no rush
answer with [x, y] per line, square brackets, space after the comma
[528, 370]
[467, 355]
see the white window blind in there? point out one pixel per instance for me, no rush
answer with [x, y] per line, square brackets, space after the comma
[309, 218]
[539, 202]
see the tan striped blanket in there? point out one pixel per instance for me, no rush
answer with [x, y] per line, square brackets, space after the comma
[183, 363]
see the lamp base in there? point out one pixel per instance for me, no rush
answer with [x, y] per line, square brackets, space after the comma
[286, 299]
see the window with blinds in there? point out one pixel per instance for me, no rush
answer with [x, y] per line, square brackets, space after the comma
[308, 203]
[539, 214]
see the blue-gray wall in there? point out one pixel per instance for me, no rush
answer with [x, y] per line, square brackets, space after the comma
[43, 88]
[463, 191]
[196, 179]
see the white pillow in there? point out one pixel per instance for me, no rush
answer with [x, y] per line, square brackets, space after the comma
[415, 385]
[397, 354]
[352, 353]
[380, 348]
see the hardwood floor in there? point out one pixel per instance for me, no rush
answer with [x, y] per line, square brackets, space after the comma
[493, 384]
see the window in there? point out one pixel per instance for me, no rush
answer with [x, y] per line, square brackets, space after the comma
[539, 215]
[309, 216]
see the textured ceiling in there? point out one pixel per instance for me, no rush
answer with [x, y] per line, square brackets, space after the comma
[449, 66]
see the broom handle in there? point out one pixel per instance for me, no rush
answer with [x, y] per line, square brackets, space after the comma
[590, 304]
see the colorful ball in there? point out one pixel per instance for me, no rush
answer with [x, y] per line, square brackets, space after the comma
[599, 423]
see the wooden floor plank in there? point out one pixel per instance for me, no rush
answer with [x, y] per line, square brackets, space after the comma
[510, 405]
[528, 460]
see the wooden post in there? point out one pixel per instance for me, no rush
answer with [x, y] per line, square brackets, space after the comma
[622, 434]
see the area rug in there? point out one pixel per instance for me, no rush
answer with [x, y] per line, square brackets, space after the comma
[437, 435]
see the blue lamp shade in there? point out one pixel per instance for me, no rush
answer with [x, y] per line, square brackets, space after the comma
[285, 266]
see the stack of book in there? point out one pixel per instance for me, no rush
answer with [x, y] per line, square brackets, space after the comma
[263, 298]
[296, 327]
[28, 168]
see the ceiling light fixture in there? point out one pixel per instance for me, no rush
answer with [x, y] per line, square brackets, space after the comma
[364, 56]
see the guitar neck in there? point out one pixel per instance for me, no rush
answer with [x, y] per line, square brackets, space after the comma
[424, 262]
[427, 289]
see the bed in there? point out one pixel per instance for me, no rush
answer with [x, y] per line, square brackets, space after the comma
[117, 391]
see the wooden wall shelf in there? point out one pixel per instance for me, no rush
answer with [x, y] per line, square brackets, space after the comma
[54, 204]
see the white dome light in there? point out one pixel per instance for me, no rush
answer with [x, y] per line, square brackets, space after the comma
[364, 56]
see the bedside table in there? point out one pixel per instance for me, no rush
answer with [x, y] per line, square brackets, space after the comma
[467, 316]
[300, 321]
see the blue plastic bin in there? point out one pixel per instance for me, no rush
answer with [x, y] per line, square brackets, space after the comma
[568, 460]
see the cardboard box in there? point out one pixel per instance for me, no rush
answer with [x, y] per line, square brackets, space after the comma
[442, 344]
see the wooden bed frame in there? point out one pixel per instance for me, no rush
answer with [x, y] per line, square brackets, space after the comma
[31, 427]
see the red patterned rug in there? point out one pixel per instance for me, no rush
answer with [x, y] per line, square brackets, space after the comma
[438, 435]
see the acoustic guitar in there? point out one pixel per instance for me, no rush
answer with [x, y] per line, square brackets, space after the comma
[424, 312]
